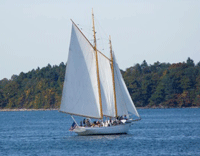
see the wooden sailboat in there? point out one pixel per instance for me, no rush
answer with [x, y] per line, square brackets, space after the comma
[94, 87]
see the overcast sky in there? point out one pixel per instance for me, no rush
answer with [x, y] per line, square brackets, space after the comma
[34, 33]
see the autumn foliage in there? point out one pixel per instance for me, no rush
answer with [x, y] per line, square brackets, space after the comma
[159, 85]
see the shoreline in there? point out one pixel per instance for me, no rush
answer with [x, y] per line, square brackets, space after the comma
[24, 109]
[50, 109]
[166, 107]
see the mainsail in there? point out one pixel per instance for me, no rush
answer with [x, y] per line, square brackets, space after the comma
[80, 92]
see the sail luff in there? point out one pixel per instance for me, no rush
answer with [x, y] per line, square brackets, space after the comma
[113, 77]
[97, 66]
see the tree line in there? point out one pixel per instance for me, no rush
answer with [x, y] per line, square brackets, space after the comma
[164, 85]
[160, 85]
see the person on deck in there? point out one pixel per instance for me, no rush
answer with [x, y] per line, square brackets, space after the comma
[81, 123]
[88, 123]
[125, 117]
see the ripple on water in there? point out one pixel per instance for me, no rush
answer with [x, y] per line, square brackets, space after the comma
[160, 132]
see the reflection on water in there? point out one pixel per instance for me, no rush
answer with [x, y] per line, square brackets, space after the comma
[98, 137]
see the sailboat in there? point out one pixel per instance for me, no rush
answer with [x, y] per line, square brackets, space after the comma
[94, 88]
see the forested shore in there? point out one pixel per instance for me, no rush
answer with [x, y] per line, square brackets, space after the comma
[24, 109]
[161, 85]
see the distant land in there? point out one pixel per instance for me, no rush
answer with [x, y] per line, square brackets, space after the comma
[161, 85]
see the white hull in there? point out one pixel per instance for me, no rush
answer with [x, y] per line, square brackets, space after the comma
[118, 129]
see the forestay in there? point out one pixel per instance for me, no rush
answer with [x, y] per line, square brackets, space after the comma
[80, 92]
[123, 98]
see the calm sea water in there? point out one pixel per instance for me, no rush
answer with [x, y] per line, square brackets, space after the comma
[160, 132]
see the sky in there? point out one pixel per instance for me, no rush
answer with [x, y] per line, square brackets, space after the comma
[36, 33]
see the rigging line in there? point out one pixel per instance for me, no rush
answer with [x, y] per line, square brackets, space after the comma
[88, 40]
[74, 120]
[103, 35]
[101, 39]
[85, 26]
[87, 32]
[101, 27]
[101, 42]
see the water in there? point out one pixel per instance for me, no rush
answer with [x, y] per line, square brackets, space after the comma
[160, 132]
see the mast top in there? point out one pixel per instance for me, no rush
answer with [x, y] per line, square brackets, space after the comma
[95, 42]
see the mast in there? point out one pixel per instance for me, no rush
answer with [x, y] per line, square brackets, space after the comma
[97, 66]
[112, 67]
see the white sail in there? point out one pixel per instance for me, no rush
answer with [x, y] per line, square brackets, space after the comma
[80, 92]
[123, 98]
[106, 86]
